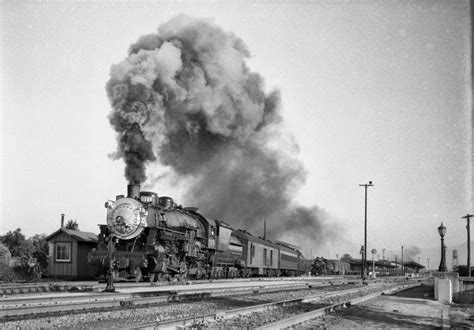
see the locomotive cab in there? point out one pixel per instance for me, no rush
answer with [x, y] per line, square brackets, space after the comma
[148, 198]
[223, 235]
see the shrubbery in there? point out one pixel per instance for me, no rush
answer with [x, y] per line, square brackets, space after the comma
[27, 256]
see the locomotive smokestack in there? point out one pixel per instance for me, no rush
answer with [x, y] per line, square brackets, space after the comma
[62, 220]
[133, 191]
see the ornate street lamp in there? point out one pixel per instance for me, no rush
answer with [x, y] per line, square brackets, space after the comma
[442, 264]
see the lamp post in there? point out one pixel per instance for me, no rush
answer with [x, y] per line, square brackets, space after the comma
[442, 264]
[362, 256]
[468, 227]
[374, 251]
[364, 259]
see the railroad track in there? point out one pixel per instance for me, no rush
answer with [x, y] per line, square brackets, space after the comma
[10, 289]
[149, 305]
[289, 313]
[61, 304]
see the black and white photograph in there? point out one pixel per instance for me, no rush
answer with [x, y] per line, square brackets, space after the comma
[236, 164]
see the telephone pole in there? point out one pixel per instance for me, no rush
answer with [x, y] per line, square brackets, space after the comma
[468, 227]
[403, 267]
[364, 258]
[383, 260]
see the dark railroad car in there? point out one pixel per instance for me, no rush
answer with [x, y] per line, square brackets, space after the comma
[288, 259]
[261, 256]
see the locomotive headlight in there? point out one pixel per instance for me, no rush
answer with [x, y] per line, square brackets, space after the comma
[126, 218]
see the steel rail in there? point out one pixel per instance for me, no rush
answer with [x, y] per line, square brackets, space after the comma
[89, 286]
[37, 306]
[302, 318]
[213, 317]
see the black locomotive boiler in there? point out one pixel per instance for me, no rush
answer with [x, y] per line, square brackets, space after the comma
[148, 237]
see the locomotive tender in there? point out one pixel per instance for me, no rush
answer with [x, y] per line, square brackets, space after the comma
[150, 237]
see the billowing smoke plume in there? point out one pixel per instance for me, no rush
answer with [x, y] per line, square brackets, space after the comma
[186, 97]
[410, 253]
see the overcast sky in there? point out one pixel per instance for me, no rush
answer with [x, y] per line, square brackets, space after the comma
[371, 90]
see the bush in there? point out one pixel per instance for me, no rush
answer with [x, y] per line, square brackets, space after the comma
[462, 270]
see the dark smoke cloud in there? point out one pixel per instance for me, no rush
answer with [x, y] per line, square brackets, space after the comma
[411, 252]
[186, 97]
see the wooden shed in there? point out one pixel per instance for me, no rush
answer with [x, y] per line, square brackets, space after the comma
[68, 250]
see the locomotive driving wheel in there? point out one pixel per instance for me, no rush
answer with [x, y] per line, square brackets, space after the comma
[138, 274]
[199, 274]
[162, 277]
[152, 278]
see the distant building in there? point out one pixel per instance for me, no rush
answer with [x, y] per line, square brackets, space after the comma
[68, 250]
[382, 267]
[412, 268]
[337, 267]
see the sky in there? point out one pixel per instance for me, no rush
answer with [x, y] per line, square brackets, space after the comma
[370, 90]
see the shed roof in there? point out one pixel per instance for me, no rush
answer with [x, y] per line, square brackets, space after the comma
[380, 263]
[82, 236]
[414, 265]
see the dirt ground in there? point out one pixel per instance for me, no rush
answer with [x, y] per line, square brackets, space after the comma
[461, 316]
[414, 308]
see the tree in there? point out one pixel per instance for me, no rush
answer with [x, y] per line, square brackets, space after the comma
[40, 249]
[14, 241]
[25, 249]
[72, 224]
[461, 269]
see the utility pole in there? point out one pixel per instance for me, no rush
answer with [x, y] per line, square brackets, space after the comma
[364, 259]
[468, 227]
[403, 267]
[383, 259]
[396, 264]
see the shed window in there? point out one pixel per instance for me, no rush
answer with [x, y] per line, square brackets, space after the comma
[63, 251]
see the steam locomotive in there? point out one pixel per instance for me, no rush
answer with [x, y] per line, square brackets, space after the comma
[148, 237]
